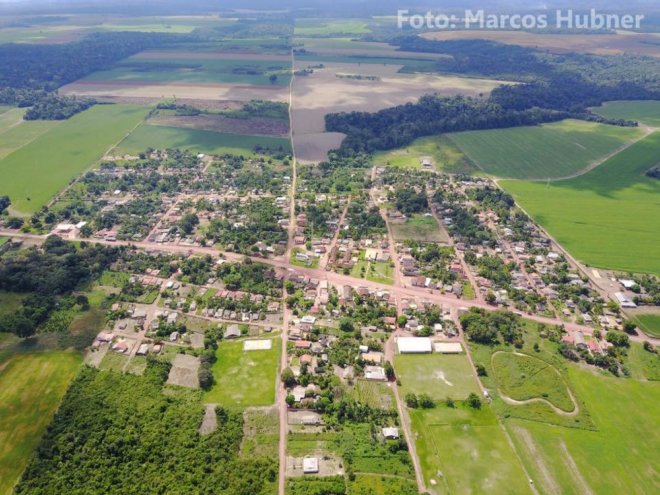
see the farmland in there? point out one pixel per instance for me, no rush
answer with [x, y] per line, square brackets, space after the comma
[608, 217]
[309, 27]
[548, 151]
[649, 323]
[244, 378]
[645, 112]
[31, 388]
[44, 166]
[440, 376]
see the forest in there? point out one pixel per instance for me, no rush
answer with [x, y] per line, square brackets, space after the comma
[52, 107]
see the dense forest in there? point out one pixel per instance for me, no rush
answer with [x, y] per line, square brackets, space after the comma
[552, 88]
[52, 107]
[120, 434]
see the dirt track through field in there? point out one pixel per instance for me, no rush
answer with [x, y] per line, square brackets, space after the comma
[548, 481]
[579, 480]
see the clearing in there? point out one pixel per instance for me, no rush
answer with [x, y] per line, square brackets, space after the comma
[419, 228]
[438, 375]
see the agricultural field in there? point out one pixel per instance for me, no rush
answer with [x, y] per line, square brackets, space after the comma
[199, 140]
[646, 112]
[16, 132]
[444, 154]
[34, 173]
[244, 378]
[329, 27]
[548, 151]
[438, 375]
[464, 450]
[649, 323]
[31, 388]
[606, 218]
[419, 228]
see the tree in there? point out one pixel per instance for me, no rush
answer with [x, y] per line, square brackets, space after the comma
[4, 203]
[425, 402]
[411, 400]
[188, 223]
[618, 339]
[389, 370]
[449, 402]
[205, 377]
[401, 321]
[648, 346]
[272, 78]
[490, 297]
[346, 325]
[481, 370]
[288, 378]
[473, 401]
[629, 327]
[290, 400]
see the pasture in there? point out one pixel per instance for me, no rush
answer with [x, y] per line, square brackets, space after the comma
[33, 174]
[31, 388]
[465, 451]
[244, 378]
[328, 27]
[649, 323]
[646, 112]
[16, 132]
[609, 217]
[444, 154]
[438, 375]
[548, 151]
[203, 141]
[419, 228]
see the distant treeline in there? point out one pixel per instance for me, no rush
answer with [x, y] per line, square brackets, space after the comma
[551, 88]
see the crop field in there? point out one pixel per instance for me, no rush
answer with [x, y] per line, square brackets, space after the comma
[16, 132]
[43, 167]
[646, 112]
[465, 451]
[438, 375]
[548, 151]
[244, 378]
[619, 457]
[419, 228]
[31, 388]
[326, 27]
[444, 154]
[607, 218]
[218, 123]
[160, 136]
[649, 323]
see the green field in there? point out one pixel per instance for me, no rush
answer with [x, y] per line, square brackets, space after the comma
[376, 271]
[191, 70]
[643, 365]
[418, 228]
[374, 484]
[465, 451]
[16, 132]
[649, 323]
[410, 64]
[438, 375]
[620, 457]
[37, 171]
[244, 379]
[211, 142]
[609, 217]
[31, 388]
[554, 150]
[326, 27]
[444, 154]
[645, 112]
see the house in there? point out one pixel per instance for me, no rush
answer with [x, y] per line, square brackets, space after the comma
[390, 433]
[232, 332]
[578, 339]
[174, 336]
[375, 373]
[310, 465]
[303, 344]
[414, 345]
[298, 393]
[143, 350]
[120, 347]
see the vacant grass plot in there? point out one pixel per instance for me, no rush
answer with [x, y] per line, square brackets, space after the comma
[609, 217]
[374, 394]
[244, 378]
[40, 169]
[649, 323]
[159, 136]
[547, 151]
[462, 450]
[645, 112]
[438, 375]
[442, 152]
[376, 271]
[419, 228]
[643, 365]
[31, 388]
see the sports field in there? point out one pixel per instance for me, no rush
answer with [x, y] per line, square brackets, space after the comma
[159, 136]
[442, 152]
[555, 150]
[244, 378]
[45, 165]
[646, 112]
[609, 217]
[31, 388]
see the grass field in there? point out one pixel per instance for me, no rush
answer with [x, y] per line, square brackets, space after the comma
[16, 132]
[465, 451]
[374, 484]
[37, 171]
[444, 154]
[548, 151]
[374, 394]
[326, 27]
[418, 228]
[244, 379]
[609, 217]
[438, 375]
[620, 457]
[31, 388]
[643, 365]
[157, 136]
[376, 271]
[649, 323]
[645, 112]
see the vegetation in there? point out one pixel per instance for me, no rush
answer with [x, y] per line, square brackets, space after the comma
[649, 323]
[644, 112]
[57, 108]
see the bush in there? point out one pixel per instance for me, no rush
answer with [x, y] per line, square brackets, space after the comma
[473, 401]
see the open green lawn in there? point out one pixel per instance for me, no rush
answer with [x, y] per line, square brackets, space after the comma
[418, 228]
[10, 301]
[158, 136]
[376, 271]
[325, 27]
[609, 217]
[649, 323]
[620, 457]
[191, 70]
[444, 154]
[31, 388]
[37, 171]
[465, 451]
[646, 112]
[244, 378]
[438, 375]
[552, 150]
[643, 365]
